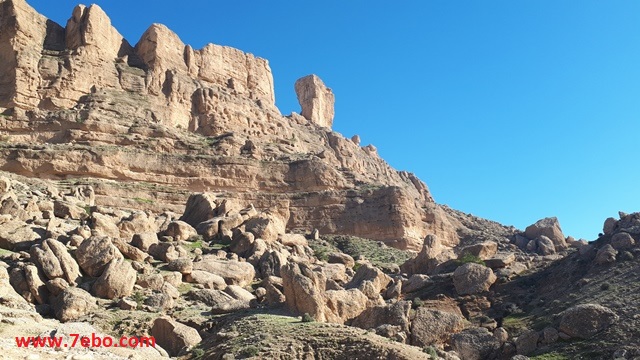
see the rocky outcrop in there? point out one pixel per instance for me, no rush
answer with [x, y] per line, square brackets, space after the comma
[316, 100]
[549, 227]
[431, 327]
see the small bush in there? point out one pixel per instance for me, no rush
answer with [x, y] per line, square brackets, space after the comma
[605, 286]
[431, 351]
[470, 258]
[138, 297]
[307, 318]
[197, 353]
[417, 302]
[249, 351]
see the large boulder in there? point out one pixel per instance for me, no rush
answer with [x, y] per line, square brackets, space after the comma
[233, 272]
[206, 279]
[116, 281]
[180, 231]
[95, 253]
[343, 305]
[473, 278]
[396, 314]
[549, 227]
[606, 255]
[622, 241]
[484, 250]
[72, 304]
[177, 339]
[220, 301]
[304, 290]
[16, 235]
[431, 327]
[55, 261]
[475, 344]
[585, 320]
[268, 227]
[200, 207]
[370, 280]
[427, 259]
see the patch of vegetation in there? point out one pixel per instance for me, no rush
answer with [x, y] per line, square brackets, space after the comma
[416, 303]
[197, 353]
[185, 288]
[307, 318]
[143, 201]
[431, 351]
[138, 297]
[550, 356]
[516, 324]
[470, 258]
[249, 351]
[4, 252]
[195, 242]
[379, 254]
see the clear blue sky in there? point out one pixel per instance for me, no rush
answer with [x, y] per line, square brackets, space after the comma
[509, 110]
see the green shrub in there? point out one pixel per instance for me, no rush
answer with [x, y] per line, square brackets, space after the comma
[249, 351]
[470, 258]
[417, 302]
[307, 318]
[197, 353]
[431, 351]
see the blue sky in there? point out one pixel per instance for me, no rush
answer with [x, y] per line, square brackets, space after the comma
[509, 110]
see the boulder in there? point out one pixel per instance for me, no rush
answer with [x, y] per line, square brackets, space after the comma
[370, 280]
[104, 225]
[609, 226]
[293, 240]
[304, 290]
[67, 210]
[95, 253]
[527, 342]
[427, 259]
[622, 241]
[341, 258]
[606, 255]
[36, 284]
[434, 327]
[116, 281]
[206, 279]
[397, 314]
[144, 241]
[473, 278]
[239, 293]
[200, 207]
[484, 250]
[220, 301]
[180, 231]
[266, 227]
[585, 320]
[233, 272]
[177, 339]
[181, 265]
[544, 246]
[129, 251]
[164, 251]
[343, 305]
[18, 236]
[475, 344]
[72, 304]
[416, 282]
[549, 227]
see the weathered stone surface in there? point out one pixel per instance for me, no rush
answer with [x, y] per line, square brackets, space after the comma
[200, 207]
[266, 227]
[129, 251]
[341, 258]
[180, 231]
[606, 255]
[370, 280]
[474, 344]
[116, 281]
[527, 342]
[16, 235]
[484, 250]
[549, 227]
[94, 254]
[316, 100]
[182, 265]
[206, 279]
[622, 241]
[584, 321]
[55, 261]
[304, 290]
[233, 272]
[72, 304]
[473, 278]
[174, 337]
[431, 327]
[609, 226]
[144, 241]
[343, 305]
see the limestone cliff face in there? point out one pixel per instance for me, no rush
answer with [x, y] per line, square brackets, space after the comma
[160, 118]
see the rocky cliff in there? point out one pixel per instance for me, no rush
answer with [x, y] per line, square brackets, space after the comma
[156, 120]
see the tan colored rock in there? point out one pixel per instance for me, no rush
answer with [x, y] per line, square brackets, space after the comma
[116, 281]
[343, 305]
[36, 284]
[585, 320]
[397, 314]
[484, 250]
[94, 254]
[549, 227]
[104, 225]
[182, 265]
[55, 261]
[16, 235]
[200, 207]
[473, 278]
[316, 100]
[341, 258]
[67, 210]
[293, 240]
[174, 337]
[266, 227]
[474, 344]
[233, 272]
[129, 251]
[144, 241]
[304, 290]
[72, 304]
[180, 231]
[527, 342]
[434, 327]
[239, 293]
[370, 280]
[609, 226]
[206, 279]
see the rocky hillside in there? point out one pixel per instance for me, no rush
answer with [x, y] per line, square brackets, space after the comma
[156, 190]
